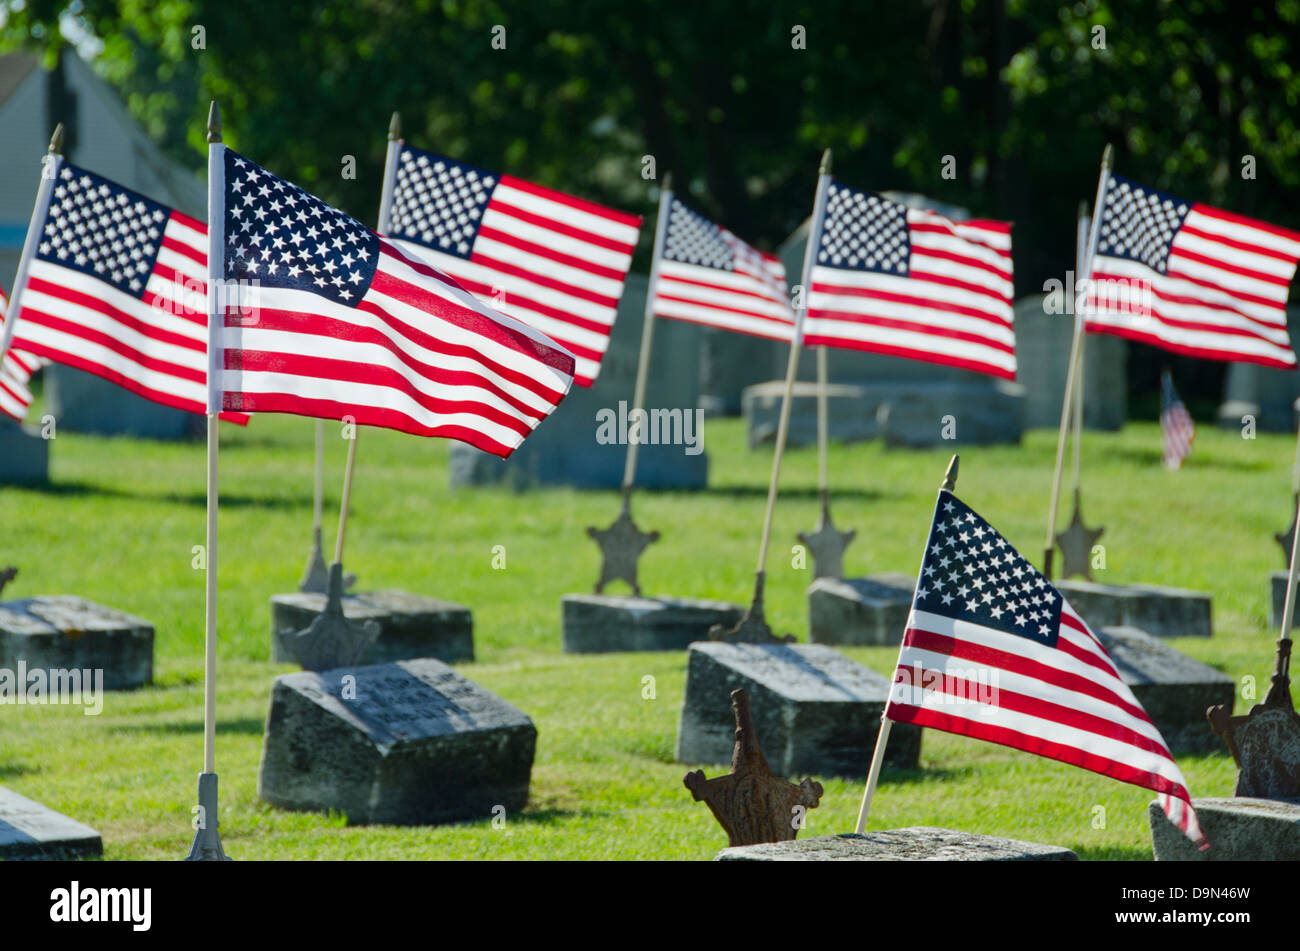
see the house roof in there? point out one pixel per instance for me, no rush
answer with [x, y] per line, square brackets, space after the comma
[14, 70]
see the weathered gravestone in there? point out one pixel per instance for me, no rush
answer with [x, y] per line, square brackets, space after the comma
[24, 455]
[85, 403]
[1173, 689]
[815, 711]
[912, 844]
[1156, 609]
[1042, 359]
[600, 623]
[63, 632]
[904, 413]
[409, 743]
[859, 612]
[1277, 600]
[1264, 394]
[1238, 829]
[583, 443]
[29, 830]
[410, 625]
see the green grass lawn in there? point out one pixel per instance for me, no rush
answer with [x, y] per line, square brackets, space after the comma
[119, 521]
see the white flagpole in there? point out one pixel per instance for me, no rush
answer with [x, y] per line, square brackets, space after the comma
[882, 738]
[792, 367]
[647, 340]
[207, 842]
[823, 430]
[1049, 544]
[50, 165]
[385, 226]
[318, 480]
[1080, 250]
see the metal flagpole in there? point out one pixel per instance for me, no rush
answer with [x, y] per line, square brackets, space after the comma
[207, 841]
[1107, 160]
[823, 429]
[647, 341]
[792, 368]
[315, 576]
[50, 165]
[882, 738]
[1080, 249]
[385, 226]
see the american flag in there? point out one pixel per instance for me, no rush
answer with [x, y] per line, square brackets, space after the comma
[709, 276]
[1176, 427]
[993, 651]
[334, 321]
[556, 262]
[1191, 278]
[911, 283]
[16, 371]
[118, 288]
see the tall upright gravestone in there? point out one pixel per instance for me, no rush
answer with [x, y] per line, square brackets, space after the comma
[583, 443]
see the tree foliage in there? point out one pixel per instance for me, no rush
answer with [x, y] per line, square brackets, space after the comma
[1022, 94]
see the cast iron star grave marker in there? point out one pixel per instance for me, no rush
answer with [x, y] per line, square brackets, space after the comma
[751, 803]
[600, 623]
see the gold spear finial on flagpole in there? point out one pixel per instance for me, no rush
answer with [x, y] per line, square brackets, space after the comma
[1108, 157]
[395, 127]
[825, 167]
[56, 140]
[214, 122]
[950, 477]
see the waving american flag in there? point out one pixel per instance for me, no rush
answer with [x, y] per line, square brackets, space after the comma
[16, 371]
[709, 276]
[118, 288]
[334, 321]
[1190, 278]
[911, 283]
[556, 262]
[993, 651]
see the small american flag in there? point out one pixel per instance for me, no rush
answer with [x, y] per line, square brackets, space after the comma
[1176, 426]
[911, 283]
[15, 372]
[118, 288]
[993, 651]
[340, 322]
[709, 276]
[556, 262]
[1191, 278]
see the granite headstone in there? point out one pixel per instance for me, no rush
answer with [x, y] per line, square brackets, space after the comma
[911, 844]
[29, 830]
[408, 743]
[410, 625]
[64, 632]
[816, 711]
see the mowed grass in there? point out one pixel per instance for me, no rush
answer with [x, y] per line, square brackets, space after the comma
[120, 518]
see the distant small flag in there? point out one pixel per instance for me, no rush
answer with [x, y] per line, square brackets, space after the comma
[556, 262]
[1190, 278]
[911, 283]
[118, 288]
[709, 276]
[993, 651]
[1176, 426]
[339, 322]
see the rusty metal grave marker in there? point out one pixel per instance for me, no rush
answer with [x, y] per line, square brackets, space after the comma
[1265, 743]
[751, 803]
